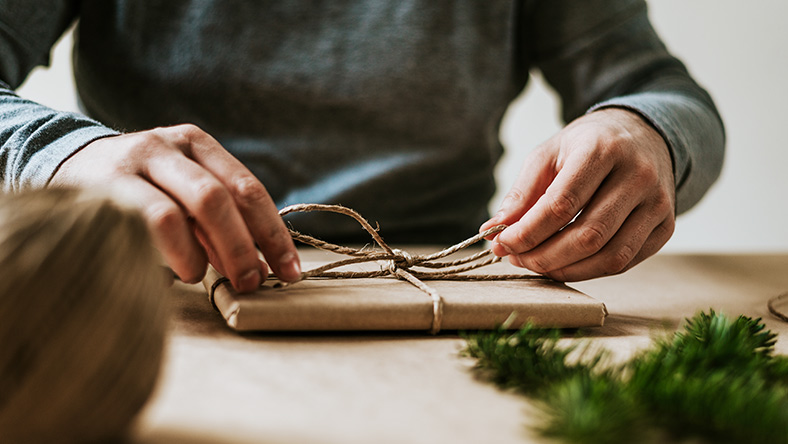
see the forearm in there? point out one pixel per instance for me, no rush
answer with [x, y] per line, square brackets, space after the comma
[35, 140]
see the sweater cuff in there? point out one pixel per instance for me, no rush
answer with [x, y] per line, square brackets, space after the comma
[693, 136]
[43, 164]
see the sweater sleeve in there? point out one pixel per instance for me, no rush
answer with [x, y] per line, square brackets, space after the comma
[605, 53]
[34, 139]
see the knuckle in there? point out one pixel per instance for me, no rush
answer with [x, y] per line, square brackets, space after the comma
[663, 204]
[183, 135]
[645, 174]
[543, 153]
[248, 191]
[591, 237]
[522, 241]
[145, 144]
[538, 264]
[610, 146]
[612, 143]
[618, 260]
[514, 195]
[189, 131]
[165, 218]
[210, 197]
[564, 206]
[191, 275]
[665, 230]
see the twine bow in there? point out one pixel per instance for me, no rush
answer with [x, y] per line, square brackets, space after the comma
[399, 263]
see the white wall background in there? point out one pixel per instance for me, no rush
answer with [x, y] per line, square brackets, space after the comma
[736, 49]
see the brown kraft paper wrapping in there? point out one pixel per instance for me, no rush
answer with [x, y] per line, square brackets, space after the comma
[386, 303]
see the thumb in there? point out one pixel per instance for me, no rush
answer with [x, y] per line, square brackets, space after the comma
[536, 174]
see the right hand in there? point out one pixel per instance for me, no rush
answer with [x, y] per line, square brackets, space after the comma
[201, 204]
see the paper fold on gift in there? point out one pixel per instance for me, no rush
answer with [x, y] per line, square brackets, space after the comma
[387, 303]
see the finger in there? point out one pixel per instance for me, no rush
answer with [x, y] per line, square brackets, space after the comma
[638, 238]
[591, 230]
[169, 228]
[535, 176]
[656, 240]
[206, 199]
[214, 258]
[570, 191]
[255, 205]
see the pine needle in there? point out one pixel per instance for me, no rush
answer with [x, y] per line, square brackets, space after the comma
[718, 380]
[528, 359]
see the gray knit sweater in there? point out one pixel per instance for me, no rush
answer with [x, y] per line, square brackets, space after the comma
[390, 107]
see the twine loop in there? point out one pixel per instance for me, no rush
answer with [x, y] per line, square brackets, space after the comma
[399, 263]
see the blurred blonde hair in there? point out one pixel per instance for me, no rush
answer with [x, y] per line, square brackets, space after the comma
[82, 316]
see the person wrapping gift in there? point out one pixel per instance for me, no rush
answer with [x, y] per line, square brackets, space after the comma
[210, 115]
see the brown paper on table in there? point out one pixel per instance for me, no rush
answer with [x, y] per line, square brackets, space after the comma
[387, 303]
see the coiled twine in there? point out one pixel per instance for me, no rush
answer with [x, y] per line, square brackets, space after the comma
[82, 317]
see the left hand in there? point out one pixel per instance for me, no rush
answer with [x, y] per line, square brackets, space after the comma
[594, 200]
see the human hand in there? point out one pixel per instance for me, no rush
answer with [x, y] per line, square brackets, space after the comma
[594, 200]
[201, 204]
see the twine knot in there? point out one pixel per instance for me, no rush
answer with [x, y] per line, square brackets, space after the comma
[398, 263]
[402, 260]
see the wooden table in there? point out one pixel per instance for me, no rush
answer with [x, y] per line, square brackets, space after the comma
[219, 387]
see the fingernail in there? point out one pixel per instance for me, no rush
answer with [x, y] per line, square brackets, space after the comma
[250, 280]
[506, 248]
[493, 221]
[515, 260]
[290, 266]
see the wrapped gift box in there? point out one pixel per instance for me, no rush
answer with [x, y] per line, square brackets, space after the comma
[387, 303]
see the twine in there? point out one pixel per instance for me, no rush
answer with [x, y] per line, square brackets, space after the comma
[82, 317]
[773, 309]
[398, 263]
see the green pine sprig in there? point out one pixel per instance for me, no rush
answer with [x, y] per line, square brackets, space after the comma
[718, 380]
[527, 359]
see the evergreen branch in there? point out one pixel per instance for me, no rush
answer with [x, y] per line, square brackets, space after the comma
[718, 379]
[591, 409]
[527, 360]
